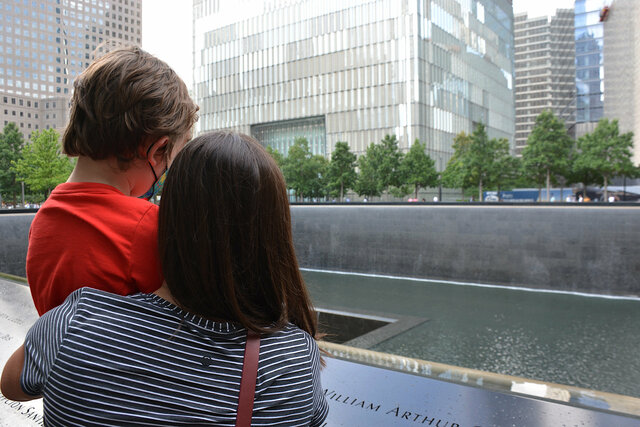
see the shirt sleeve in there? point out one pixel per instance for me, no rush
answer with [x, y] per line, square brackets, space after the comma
[146, 273]
[43, 342]
[320, 405]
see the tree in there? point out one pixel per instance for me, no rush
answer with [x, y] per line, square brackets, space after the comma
[507, 168]
[388, 161]
[341, 173]
[418, 168]
[454, 175]
[11, 142]
[277, 156]
[547, 152]
[303, 171]
[481, 161]
[367, 182]
[604, 153]
[474, 162]
[42, 166]
[382, 169]
[316, 186]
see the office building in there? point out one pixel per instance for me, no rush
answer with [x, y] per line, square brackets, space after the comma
[45, 44]
[622, 68]
[545, 70]
[590, 84]
[355, 70]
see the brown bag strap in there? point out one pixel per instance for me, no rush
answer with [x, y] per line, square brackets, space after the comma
[248, 381]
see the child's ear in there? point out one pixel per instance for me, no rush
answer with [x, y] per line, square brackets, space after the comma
[157, 151]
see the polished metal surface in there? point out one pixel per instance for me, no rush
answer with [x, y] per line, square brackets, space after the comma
[361, 395]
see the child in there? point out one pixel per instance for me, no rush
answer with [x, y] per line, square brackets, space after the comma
[175, 357]
[130, 114]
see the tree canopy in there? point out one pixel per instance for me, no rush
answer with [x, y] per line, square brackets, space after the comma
[380, 169]
[341, 173]
[548, 151]
[42, 165]
[367, 183]
[605, 153]
[387, 159]
[304, 172]
[478, 161]
[277, 156]
[455, 175]
[507, 168]
[419, 168]
[11, 143]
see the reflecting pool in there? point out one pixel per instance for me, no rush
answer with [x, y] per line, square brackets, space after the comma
[584, 341]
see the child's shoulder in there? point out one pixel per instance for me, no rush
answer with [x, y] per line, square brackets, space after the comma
[71, 194]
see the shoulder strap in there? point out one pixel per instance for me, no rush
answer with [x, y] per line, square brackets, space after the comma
[248, 381]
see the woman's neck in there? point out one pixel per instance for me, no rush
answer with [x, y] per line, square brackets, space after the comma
[164, 293]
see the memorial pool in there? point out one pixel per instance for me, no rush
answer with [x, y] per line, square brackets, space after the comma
[585, 341]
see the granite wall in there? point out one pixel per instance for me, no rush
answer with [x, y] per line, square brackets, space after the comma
[580, 248]
[14, 235]
[584, 248]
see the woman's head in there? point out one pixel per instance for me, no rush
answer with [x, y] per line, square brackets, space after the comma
[225, 235]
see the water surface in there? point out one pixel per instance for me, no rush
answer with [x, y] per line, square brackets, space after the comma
[584, 341]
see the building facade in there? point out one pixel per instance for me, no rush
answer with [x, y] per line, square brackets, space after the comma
[45, 44]
[622, 68]
[545, 70]
[355, 70]
[590, 85]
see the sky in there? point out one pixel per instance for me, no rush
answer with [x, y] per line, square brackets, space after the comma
[166, 28]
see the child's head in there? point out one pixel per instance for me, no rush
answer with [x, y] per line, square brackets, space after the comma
[225, 235]
[124, 101]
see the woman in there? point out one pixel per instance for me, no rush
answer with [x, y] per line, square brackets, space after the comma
[175, 357]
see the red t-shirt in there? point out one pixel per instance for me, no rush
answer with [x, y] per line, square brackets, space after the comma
[89, 234]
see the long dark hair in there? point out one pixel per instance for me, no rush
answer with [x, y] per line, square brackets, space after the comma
[225, 236]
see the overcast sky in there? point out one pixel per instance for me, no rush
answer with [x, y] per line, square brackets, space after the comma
[166, 28]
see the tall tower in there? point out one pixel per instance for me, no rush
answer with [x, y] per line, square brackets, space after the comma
[355, 70]
[45, 44]
[590, 84]
[545, 70]
[622, 68]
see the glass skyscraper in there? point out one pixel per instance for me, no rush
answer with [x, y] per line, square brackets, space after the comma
[589, 61]
[355, 70]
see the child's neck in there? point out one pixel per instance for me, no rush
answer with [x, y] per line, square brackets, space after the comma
[102, 172]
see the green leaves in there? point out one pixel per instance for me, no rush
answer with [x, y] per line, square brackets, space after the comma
[479, 162]
[11, 142]
[277, 156]
[380, 169]
[304, 172]
[418, 168]
[368, 182]
[547, 154]
[42, 166]
[341, 173]
[383, 168]
[604, 154]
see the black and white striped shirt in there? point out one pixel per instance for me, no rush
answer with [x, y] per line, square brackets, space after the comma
[104, 359]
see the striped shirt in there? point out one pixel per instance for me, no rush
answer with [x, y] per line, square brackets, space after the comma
[103, 359]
